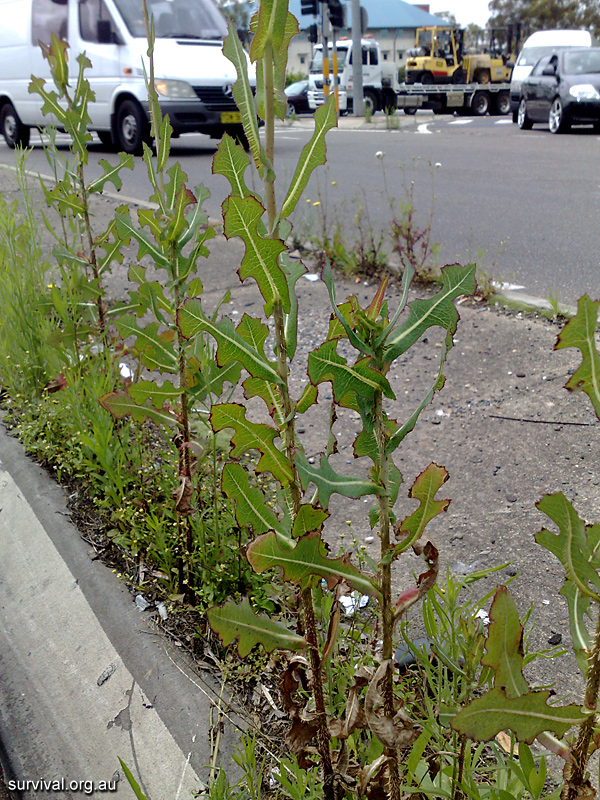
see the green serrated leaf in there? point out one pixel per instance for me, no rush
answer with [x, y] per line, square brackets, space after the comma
[307, 559]
[308, 398]
[250, 508]
[325, 364]
[252, 436]
[270, 27]
[238, 621]
[504, 645]
[312, 156]
[156, 352]
[307, 520]
[242, 93]
[231, 162]
[127, 231]
[579, 332]
[329, 482]
[527, 716]
[121, 404]
[424, 489]
[158, 395]
[579, 609]
[342, 312]
[293, 271]
[112, 173]
[570, 545]
[231, 346]
[437, 310]
[242, 216]
[257, 387]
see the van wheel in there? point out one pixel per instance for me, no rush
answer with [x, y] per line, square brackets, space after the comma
[370, 102]
[132, 127]
[15, 133]
[106, 138]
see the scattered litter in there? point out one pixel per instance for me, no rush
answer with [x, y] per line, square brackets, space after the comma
[545, 602]
[141, 603]
[439, 412]
[116, 776]
[483, 616]
[352, 602]
[125, 371]
[369, 539]
[162, 610]
[106, 674]
[311, 276]
[555, 639]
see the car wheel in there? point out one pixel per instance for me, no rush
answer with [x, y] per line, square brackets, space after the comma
[480, 104]
[556, 118]
[522, 119]
[132, 127]
[483, 76]
[15, 133]
[459, 76]
[290, 110]
[427, 78]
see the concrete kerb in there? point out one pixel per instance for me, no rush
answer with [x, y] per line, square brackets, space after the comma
[85, 678]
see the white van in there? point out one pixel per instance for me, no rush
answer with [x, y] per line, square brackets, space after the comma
[537, 45]
[192, 76]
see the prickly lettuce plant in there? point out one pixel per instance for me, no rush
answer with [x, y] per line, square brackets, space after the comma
[180, 376]
[290, 535]
[511, 704]
[79, 302]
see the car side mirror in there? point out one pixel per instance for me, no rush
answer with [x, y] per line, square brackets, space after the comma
[549, 70]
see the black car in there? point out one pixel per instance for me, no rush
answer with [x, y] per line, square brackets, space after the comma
[563, 89]
[297, 98]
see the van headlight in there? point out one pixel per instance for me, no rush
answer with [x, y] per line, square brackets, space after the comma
[179, 90]
[584, 91]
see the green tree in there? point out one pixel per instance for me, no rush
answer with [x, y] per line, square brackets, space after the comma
[546, 14]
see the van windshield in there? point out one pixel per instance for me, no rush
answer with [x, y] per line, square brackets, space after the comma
[530, 55]
[316, 65]
[175, 19]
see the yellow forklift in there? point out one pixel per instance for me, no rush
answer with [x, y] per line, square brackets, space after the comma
[439, 56]
[436, 57]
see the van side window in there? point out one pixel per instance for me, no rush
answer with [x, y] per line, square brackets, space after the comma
[90, 13]
[48, 17]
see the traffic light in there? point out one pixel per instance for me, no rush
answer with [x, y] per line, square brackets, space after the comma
[312, 33]
[337, 15]
[309, 7]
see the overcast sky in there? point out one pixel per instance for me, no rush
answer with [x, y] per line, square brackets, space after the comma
[465, 11]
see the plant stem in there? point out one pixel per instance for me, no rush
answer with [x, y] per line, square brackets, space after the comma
[387, 610]
[92, 251]
[581, 750]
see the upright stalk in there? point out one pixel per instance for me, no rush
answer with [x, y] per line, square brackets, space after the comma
[571, 789]
[288, 435]
[387, 610]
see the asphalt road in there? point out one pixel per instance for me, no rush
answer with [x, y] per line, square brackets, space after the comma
[524, 204]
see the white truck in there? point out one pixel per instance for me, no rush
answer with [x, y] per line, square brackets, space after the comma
[192, 76]
[382, 89]
[380, 78]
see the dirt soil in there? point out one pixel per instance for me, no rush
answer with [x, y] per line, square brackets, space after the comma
[503, 426]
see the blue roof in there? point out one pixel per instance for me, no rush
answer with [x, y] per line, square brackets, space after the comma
[382, 14]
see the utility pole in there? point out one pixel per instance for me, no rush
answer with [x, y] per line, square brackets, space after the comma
[357, 71]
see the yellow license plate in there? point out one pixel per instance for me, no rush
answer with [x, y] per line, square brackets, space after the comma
[229, 117]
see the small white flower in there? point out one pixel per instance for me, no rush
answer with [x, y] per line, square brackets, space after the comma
[379, 154]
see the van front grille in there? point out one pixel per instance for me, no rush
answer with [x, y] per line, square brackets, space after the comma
[214, 98]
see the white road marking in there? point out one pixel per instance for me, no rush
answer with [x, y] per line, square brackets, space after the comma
[424, 128]
[460, 122]
[503, 122]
